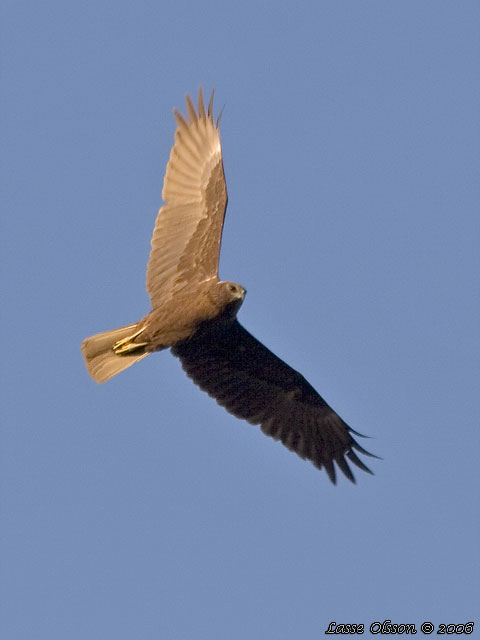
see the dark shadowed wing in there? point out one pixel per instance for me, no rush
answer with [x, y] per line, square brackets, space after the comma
[252, 383]
[188, 230]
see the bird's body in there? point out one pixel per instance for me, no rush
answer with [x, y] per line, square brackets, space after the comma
[178, 318]
[194, 313]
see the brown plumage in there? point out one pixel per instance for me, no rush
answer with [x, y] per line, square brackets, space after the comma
[194, 313]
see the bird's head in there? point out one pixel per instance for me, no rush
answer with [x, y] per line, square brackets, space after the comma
[229, 295]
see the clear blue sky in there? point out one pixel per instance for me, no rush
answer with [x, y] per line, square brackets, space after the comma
[351, 139]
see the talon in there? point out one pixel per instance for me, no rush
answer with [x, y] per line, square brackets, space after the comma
[126, 345]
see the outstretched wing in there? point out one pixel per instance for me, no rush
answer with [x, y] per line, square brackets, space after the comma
[188, 231]
[252, 383]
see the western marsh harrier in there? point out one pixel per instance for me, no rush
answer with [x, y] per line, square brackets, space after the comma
[194, 313]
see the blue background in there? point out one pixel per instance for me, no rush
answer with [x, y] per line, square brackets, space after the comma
[351, 138]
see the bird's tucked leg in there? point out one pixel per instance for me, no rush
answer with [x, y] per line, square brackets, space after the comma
[127, 345]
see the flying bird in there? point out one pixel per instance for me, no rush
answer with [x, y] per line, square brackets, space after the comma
[194, 313]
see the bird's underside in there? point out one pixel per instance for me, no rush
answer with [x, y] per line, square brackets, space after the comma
[194, 313]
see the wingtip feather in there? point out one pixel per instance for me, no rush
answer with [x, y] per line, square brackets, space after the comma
[201, 104]
[210, 104]
[192, 114]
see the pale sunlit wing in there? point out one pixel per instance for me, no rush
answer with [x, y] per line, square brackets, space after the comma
[187, 235]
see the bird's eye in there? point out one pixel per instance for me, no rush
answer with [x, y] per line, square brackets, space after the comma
[233, 288]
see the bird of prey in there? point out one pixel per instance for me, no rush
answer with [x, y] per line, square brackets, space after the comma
[194, 313]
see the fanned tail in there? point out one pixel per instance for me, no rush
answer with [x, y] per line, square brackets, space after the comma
[103, 361]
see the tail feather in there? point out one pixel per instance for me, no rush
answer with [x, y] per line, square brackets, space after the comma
[100, 359]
